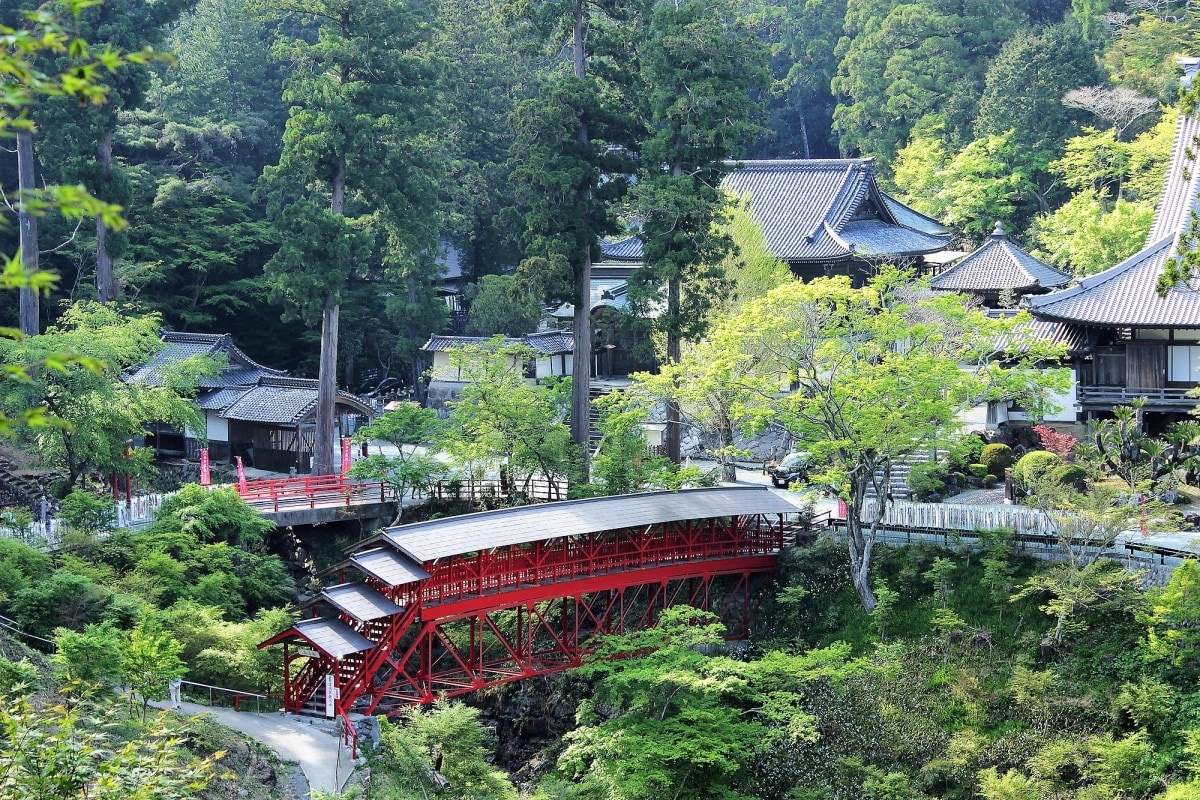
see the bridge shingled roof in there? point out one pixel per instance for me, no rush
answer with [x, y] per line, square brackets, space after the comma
[428, 541]
[331, 636]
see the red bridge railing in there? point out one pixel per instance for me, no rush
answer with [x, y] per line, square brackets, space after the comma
[310, 492]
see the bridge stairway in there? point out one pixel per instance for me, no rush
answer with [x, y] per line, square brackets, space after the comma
[901, 466]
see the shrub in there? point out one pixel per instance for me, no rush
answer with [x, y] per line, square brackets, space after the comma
[978, 470]
[85, 512]
[926, 479]
[1035, 466]
[1068, 475]
[1061, 444]
[997, 458]
[990, 481]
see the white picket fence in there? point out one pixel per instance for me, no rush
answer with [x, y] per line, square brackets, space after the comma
[136, 513]
[960, 517]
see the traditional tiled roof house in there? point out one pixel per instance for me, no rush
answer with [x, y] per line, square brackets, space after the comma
[552, 358]
[249, 410]
[828, 217]
[996, 268]
[1139, 343]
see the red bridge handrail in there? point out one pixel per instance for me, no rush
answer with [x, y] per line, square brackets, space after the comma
[310, 491]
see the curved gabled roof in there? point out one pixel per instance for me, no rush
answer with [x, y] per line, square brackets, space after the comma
[999, 264]
[286, 401]
[1127, 295]
[826, 210]
[1124, 296]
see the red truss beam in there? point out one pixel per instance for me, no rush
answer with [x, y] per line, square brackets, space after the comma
[493, 617]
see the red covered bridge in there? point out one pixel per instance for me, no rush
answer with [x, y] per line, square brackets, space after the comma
[452, 605]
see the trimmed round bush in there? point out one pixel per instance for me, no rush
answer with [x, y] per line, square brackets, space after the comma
[997, 458]
[978, 470]
[1034, 466]
[1068, 474]
[990, 481]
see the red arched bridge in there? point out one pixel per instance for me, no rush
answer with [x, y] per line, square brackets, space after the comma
[448, 606]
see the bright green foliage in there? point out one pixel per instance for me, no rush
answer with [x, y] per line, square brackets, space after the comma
[1170, 619]
[971, 189]
[1035, 466]
[685, 723]
[885, 611]
[450, 736]
[17, 677]
[750, 269]
[909, 61]
[89, 658]
[504, 423]
[716, 388]
[1148, 703]
[70, 753]
[406, 428]
[997, 458]
[622, 462]
[97, 411]
[1087, 235]
[85, 512]
[1082, 581]
[149, 661]
[1012, 785]
[940, 575]
[879, 377]
[498, 306]
[222, 653]
[212, 515]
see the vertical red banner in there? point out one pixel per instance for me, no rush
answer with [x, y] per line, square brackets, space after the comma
[205, 472]
[843, 511]
[241, 468]
[347, 455]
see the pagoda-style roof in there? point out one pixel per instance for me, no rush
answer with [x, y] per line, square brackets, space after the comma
[626, 249]
[828, 210]
[997, 265]
[1126, 296]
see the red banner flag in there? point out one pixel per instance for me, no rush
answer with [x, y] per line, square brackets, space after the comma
[241, 475]
[205, 472]
[347, 455]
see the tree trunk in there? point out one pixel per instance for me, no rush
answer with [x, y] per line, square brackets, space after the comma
[30, 313]
[674, 432]
[728, 465]
[861, 543]
[327, 372]
[326, 390]
[106, 279]
[581, 370]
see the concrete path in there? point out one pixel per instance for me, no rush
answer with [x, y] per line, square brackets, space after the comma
[312, 743]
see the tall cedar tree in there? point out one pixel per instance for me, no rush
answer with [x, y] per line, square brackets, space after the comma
[569, 153]
[703, 68]
[81, 149]
[361, 95]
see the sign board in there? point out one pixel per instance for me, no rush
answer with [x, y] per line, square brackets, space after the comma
[347, 455]
[307, 651]
[205, 473]
[330, 696]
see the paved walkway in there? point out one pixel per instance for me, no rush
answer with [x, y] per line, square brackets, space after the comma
[311, 743]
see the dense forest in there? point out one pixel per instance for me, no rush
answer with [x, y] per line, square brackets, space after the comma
[295, 172]
[1042, 114]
